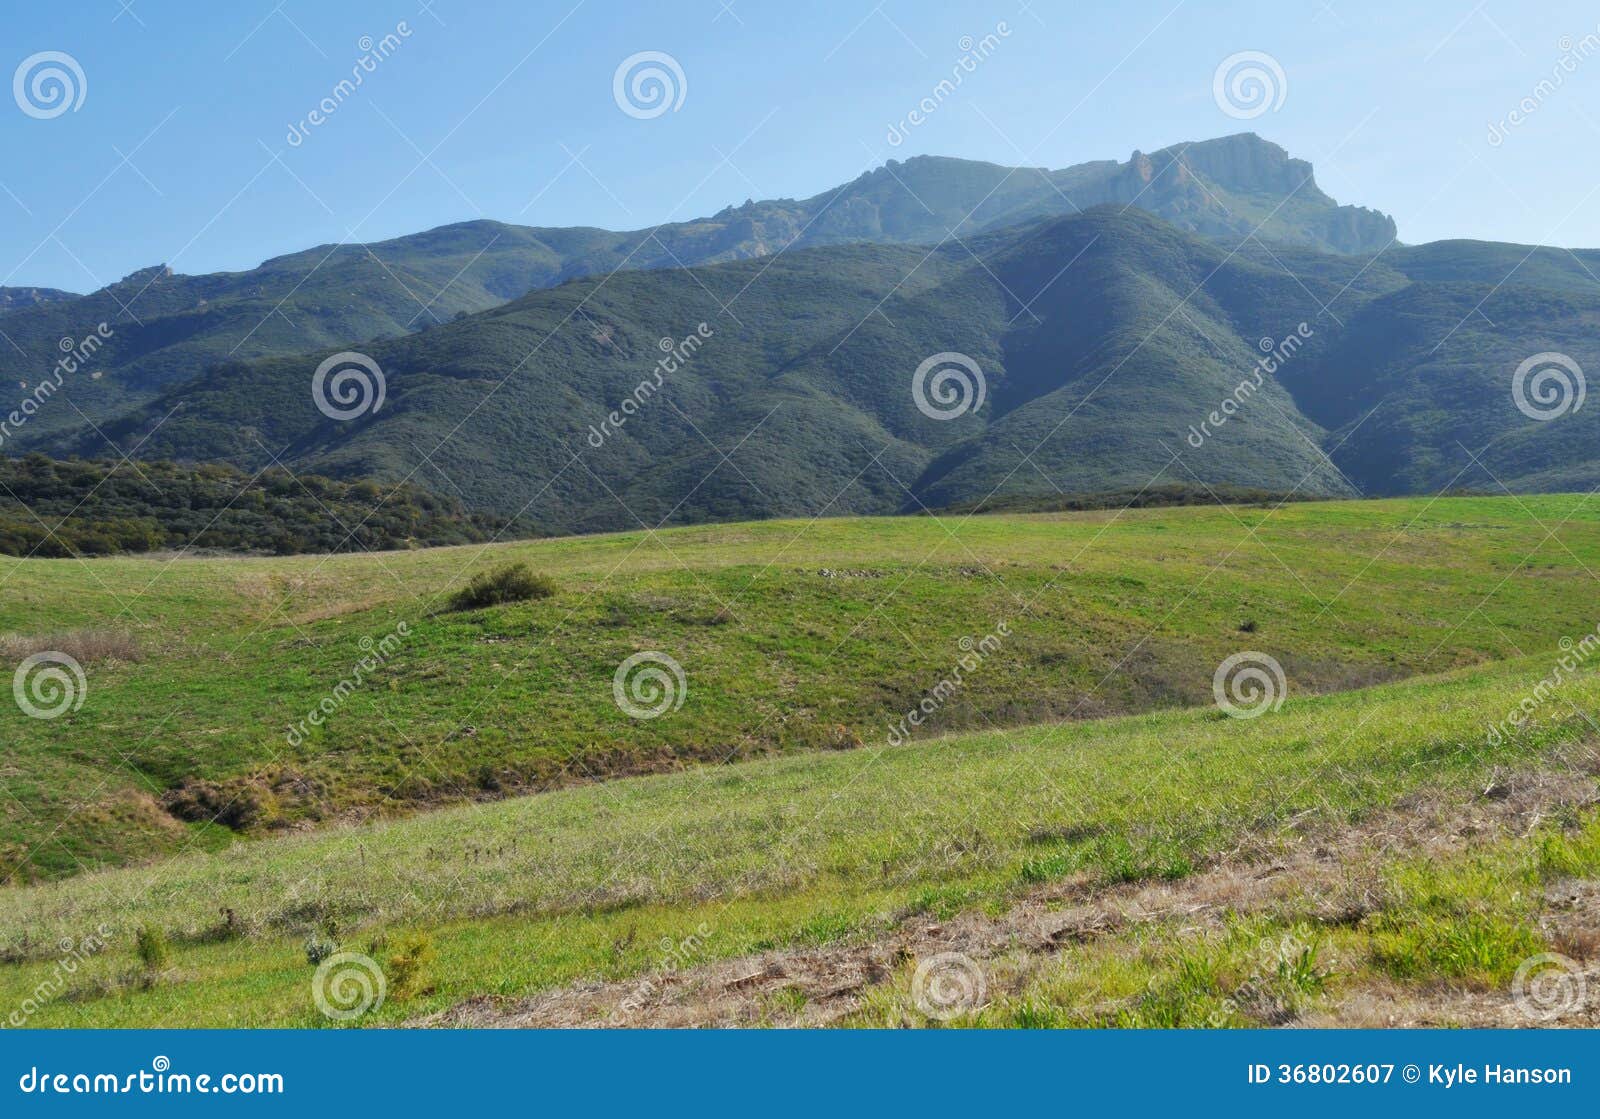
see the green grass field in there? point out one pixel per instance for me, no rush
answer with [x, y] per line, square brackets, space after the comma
[1109, 614]
[526, 893]
[1085, 748]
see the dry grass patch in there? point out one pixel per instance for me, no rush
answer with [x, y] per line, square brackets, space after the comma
[82, 645]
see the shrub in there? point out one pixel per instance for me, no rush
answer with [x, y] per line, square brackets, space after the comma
[512, 583]
[319, 948]
[229, 928]
[408, 966]
[151, 944]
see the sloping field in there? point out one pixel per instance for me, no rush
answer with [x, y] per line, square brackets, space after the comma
[492, 904]
[192, 727]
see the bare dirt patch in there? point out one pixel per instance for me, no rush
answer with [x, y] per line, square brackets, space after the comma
[1326, 876]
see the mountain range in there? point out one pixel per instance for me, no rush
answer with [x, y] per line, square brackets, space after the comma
[170, 327]
[1109, 310]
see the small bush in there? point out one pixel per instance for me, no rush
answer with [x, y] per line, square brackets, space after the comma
[151, 945]
[319, 948]
[512, 583]
[238, 803]
[408, 966]
[229, 928]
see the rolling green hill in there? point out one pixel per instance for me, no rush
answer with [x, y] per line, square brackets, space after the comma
[1119, 871]
[201, 675]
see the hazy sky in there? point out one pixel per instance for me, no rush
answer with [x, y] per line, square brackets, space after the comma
[179, 151]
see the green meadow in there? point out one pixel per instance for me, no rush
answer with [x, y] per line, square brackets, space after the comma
[480, 813]
[516, 896]
[792, 636]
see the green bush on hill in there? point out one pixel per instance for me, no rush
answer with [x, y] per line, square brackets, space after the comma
[513, 582]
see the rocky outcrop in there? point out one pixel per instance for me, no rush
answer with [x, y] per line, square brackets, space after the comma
[12, 298]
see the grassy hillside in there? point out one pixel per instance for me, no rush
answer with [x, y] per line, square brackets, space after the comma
[856, 849]
[791, 637]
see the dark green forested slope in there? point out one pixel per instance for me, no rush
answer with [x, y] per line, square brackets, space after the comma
[168, 328]
[1097, 373]
[101, 507]
[1104, 338]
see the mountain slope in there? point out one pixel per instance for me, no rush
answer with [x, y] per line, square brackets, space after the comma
[168, 328]
[1131, 330]
[1117, 352]
[1418, 391]
[13, 298]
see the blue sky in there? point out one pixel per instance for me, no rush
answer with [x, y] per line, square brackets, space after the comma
[179, 151]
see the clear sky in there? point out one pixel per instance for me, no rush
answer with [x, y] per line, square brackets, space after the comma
[179, 151]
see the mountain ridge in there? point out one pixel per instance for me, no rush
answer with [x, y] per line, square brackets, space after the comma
[13, 298]
[1107, 340]
[801, 335]
[169, 326]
